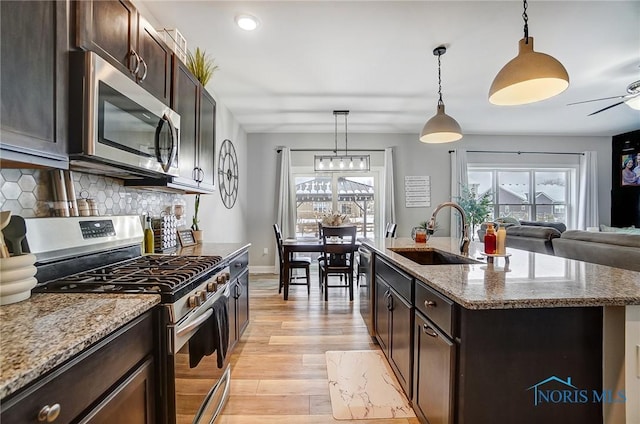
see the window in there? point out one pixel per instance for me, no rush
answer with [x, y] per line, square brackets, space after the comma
[528, 195]
[347, 194]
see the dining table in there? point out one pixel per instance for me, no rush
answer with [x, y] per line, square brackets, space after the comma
[295, 245]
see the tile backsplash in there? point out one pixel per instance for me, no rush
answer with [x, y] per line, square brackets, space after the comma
[28, 192]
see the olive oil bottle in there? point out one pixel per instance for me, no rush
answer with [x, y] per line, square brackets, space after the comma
[148, 236]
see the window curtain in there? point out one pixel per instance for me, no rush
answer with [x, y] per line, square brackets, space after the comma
[458, 179]
[286, 202]
[389, 191]
[588, 191]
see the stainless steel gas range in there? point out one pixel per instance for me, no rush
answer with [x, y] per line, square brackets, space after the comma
[102, 255]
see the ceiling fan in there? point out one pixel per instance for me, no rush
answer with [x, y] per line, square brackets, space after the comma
[632, 99]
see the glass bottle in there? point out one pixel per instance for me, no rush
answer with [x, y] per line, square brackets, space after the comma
[501, 239]
[148, 236]
[490, 240]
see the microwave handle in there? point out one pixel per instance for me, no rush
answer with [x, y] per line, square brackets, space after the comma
[174, 145]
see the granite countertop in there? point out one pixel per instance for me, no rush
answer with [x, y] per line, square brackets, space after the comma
[531, 280]
[226, 250]
[42, 332]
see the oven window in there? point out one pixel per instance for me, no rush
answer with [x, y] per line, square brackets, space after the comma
[124, 124]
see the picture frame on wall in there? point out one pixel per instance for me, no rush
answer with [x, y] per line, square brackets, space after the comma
[630, 168]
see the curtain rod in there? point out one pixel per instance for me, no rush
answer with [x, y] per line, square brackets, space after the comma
[279, 149]
[520, 152]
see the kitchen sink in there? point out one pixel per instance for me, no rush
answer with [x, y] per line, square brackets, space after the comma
[433, 257]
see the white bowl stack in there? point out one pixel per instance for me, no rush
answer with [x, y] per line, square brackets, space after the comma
[17, 278]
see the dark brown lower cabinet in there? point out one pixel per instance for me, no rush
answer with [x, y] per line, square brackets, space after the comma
[393, 318]
[131, 402]
[239, 301]
[113, 380]
[434, 371]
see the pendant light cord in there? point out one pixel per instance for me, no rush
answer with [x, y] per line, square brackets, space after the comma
[335, 119]
[346, 150]
[440, 102]
[526, 22]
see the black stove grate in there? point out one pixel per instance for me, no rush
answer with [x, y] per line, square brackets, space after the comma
[144, 274]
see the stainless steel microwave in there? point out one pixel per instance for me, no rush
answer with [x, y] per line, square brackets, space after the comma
[117, 127]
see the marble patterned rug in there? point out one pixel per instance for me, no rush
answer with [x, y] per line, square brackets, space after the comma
[362, 386]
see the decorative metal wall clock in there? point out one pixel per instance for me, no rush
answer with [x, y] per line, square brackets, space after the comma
[228, 174]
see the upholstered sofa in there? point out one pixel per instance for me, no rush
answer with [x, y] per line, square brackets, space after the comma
[529, 235]
[618, 250]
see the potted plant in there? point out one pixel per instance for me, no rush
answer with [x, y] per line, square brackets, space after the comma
[477, 207]
[201, 66]
[197, 232]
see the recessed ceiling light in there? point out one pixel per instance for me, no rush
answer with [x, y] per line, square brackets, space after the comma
[247, 22]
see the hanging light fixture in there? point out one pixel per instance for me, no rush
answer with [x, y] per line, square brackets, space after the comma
[441, 128]
[530, 76]
[344, 162]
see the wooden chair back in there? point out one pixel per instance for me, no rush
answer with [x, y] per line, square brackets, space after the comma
[338, 252]
[390, 231]
[276, 229]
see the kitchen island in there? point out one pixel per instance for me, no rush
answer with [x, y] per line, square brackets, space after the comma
[505, 342]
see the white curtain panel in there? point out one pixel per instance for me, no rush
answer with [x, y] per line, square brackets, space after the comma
[389, 191]
[286, 202]
[459, 179]
[588, 191]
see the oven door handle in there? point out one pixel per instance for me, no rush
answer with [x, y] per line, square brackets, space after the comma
[222, 384]
[195, 324]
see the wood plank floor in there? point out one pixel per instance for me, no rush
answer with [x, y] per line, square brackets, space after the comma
[279, 373]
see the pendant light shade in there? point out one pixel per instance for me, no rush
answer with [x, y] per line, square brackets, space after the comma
[529, 77]
[441, 128]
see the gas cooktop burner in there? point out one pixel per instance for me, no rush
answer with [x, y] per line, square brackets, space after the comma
[145, 274]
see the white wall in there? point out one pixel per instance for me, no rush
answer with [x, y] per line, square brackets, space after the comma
[411, 158]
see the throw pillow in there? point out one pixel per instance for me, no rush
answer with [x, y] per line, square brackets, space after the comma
[623, 230]
[508, 220]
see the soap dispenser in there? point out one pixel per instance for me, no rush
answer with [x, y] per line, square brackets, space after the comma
[501, 239]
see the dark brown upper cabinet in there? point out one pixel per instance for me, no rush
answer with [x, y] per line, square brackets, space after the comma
[117, 32]
[33, 76]
[197, 110]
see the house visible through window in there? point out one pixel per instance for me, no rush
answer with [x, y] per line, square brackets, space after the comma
[353, 196]
[528, 195]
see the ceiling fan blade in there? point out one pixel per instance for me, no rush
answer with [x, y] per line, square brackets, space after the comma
[603, 109]
[597, 100]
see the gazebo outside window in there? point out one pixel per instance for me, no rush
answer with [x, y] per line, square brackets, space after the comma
[352, 196]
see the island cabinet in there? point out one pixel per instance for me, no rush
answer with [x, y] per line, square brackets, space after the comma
[34, 74]
[528, 365]
[393, 318]
[239, 301]
[116, 31]
[197, 110]
[113, 381]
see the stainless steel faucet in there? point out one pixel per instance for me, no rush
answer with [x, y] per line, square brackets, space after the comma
[464, 241]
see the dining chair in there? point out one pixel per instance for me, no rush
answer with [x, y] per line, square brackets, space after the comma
[390, 230]
[339, 245]
[299, 262]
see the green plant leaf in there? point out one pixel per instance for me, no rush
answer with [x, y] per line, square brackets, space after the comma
[200, 65]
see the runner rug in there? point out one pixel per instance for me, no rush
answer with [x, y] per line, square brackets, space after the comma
[362, 386]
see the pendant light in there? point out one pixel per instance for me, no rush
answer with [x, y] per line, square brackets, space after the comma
[343, 162]
[441, 128]
[530, 76]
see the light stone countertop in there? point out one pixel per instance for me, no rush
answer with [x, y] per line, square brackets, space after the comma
[532, 280]
[42, 332]
[226, 250]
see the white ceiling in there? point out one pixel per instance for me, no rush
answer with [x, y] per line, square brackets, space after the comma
[375, 59]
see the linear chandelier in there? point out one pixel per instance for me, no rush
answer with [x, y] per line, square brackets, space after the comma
[345, 162]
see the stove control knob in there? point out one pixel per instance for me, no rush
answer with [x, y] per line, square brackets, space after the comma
[212, 286]
[203, 296]
[227, 276]
[194, 301]
[221, 279]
